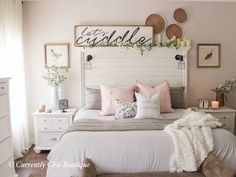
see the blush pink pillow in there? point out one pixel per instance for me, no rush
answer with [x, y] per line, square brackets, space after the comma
[109, 94]
[165, 99]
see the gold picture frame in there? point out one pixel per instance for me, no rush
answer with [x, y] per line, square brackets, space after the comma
[57, 55]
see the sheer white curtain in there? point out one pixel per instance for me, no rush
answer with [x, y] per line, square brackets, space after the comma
[12, 65]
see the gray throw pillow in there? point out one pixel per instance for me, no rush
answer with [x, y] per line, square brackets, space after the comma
[177, 97]
[93, 98]
[148, 107]
[125, 110]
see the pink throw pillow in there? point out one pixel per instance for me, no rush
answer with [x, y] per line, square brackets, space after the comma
[165, 99]
[110, 94]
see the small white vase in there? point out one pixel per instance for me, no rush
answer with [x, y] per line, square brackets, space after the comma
[54, 98]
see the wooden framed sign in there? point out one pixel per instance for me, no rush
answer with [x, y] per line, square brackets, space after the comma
[112, 35]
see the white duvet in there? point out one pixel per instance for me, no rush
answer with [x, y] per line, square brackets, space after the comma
[126, 152]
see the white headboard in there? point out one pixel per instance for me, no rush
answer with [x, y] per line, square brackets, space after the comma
[122, 67]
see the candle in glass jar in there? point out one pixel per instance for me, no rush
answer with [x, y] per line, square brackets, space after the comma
[215, 104]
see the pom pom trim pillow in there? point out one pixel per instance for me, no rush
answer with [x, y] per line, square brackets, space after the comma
[163, 88]
[110, 94]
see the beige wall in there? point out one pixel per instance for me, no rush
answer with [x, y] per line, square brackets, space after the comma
[54, 21]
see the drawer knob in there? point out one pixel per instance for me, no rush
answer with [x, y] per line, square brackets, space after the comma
[53, 139]
[223, 125]
[60, 120]
[45, 128]
[2, 88]
[45, 120]
[60, 128]
[224, 117]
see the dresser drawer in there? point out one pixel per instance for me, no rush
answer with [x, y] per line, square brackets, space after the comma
[6, 169]
[3, 88]
[6, 150]
[4, 128]
[48, 139]
[4, 108]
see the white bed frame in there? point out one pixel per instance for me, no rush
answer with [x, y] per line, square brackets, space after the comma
[122, 67]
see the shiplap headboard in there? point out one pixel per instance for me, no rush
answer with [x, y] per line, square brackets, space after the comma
[122, 67]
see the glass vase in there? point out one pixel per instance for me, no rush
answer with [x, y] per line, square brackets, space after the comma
[221, 98]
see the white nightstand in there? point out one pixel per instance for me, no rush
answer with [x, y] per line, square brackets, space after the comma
[225, 115]
[48, 127]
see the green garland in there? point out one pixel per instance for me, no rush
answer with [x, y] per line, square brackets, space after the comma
[141, 47]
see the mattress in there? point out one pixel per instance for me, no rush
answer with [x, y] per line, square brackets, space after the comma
[125, 151]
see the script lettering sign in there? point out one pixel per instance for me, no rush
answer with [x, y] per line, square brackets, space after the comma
[113, 35]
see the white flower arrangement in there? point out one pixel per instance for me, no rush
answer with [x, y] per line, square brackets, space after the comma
[55, 76]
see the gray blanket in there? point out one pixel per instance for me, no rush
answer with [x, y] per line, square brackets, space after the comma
[119, 125]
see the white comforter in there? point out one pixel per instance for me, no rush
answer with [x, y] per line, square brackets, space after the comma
[127, 151]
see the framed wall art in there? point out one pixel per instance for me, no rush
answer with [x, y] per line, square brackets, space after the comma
[57, 55]
[89, 35]
[208, 55]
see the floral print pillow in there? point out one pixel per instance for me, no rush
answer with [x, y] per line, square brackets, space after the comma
[125, 110]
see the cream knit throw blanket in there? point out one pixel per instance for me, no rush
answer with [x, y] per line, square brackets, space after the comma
[193, 140]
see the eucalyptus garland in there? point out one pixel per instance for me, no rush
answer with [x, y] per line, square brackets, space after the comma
[141, 47]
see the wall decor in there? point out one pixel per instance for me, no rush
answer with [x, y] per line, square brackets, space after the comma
[174, 30]
[203, 104]
[208, 55]
[157, 21]
[57, 55]
[88, 35]
[180, 15]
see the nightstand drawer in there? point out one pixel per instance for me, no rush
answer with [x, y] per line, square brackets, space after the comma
[45, 119]
[3, 88]
[223, 115]
[52, 128]
[4, 128]
[46, 139]
[227, 119]
[60, 120]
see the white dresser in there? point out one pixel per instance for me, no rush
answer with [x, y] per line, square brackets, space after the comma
[225, 115]
[6, 148]
[49, 127]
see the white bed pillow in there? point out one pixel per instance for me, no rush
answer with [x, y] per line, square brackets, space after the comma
[148, 107]
[125, 110]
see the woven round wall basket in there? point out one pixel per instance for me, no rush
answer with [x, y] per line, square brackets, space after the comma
[157, 21]
[180, 15]
[174, 30]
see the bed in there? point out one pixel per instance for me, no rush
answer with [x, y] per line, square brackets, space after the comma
[127, 151]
